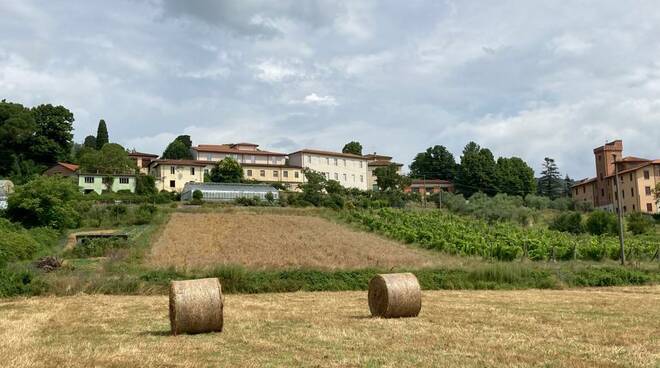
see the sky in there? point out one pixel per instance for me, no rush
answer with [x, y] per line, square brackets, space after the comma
[523, 78]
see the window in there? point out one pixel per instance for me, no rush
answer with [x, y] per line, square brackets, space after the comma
[209, 157]
[360, 164]
[172, 183]
[647, 190]
[172, 170]
[576, 191]
[616, 196]
[647, 175]
[344, 161]
[336, 162]
[602, 192]
[353, 178]
[327, 160]
[625, 209]
[621, 178]
[274, 160]
[275, 173]
[633, 208]
[631, 179]
[249, 172]
[89, 179]
[361, 178]
[295, 174]
[309, 159]
[192, 171]
[336, 176]
[345, 177]
[623, 194]
[649, 207]
[632, 192]
[285, 174]
[262, 172]
[613, 157]
[123, 180]
[600, 158]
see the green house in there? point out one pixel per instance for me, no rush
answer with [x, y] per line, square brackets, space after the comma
[99, 182]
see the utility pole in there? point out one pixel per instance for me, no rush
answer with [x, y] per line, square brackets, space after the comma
[423, 191]
[620, 213]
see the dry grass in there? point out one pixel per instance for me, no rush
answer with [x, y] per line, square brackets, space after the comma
[201, 240]
[616, 327]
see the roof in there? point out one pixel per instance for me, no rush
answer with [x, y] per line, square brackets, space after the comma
[633, 159]
[648, 163]
[180, 162]
[383, 163]
[429, 181]
[141, 154]
[72, 167]
[375, 156]
[229, 187]
[329, 153]
[243, 144]
[230, 148]
[583, 181]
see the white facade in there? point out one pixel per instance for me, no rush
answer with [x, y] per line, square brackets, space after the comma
[349, 170]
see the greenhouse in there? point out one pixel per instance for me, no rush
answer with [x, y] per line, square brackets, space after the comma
[228, 191]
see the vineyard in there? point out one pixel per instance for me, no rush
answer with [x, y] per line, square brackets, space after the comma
[500, 240]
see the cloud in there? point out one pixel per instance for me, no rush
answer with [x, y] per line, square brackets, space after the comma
[314, 99]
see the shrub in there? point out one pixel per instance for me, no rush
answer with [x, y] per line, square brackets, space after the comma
[98, 247]
[144, 214]
[639, 223]
[601, 222]
[145, 185]
[19, 282]
[197, 194]
[247, 201]
[537, 202]
[570, 222]
[45, 201]
[270, 197]
[584, 206]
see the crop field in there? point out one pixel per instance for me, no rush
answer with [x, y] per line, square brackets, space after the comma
[607, 327]
[202, 240]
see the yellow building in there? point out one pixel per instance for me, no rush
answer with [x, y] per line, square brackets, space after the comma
[348, 169]
[375, 161]
[635, 188]
[172, 175]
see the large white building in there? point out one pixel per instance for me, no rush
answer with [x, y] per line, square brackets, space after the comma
[348, 169]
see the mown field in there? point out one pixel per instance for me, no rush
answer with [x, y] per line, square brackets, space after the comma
[606, 327]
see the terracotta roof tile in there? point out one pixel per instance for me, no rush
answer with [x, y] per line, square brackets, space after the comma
[328, 153]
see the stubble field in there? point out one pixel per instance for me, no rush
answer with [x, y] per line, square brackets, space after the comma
[607, 327]
[258, 241]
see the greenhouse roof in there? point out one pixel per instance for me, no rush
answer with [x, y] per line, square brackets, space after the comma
[229, 187]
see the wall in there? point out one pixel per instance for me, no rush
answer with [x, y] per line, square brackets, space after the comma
[98, 186]
[584, 193]
[182, 175]
[349, 172]
[633, 184]
[248, 158]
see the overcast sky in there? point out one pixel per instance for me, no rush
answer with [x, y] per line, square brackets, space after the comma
[523, 78]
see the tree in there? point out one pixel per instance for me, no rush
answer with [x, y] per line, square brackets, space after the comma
[333, 187]
[436, 163]
[145, 185]
[17, 127]
[53, 134]
[388, 178]
[514, 177]
[312, 188]
[550, 182]
[566, 186]
[227, 171]
[45, 201]
[601, 222]
[570, 222]
[639, 223]
[101, 135]
[111, 159]
[353, 147]
[477, 171]
[90, 142]
[178, 150]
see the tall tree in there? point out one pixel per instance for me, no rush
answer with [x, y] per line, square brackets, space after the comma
[111, 159]
[514, 177]
[566, 186]
[436, 163]
[477, 171]
[550, 181]
[17, 129]
[227, 171]
[90, 142]
[101, 135]
[388, 179]
[179, 149]
[353, 147]
[53, 136]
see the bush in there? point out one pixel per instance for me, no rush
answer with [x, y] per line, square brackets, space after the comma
[45, 201]
[18, 243]
[601, 222]
[144, 214]
[537, 202]
[197, 194]
[584, 206]
[639, 223]
[98, 247]
[570, 222]
[247, 201]
[145, 185]
[270, 197]
[19, 282]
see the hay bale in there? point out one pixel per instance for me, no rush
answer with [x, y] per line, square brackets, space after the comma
[395, 295]
[196, 306]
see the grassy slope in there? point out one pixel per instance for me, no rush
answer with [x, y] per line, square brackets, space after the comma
[578, 328]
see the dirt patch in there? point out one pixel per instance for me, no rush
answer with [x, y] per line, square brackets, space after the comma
[276, 241]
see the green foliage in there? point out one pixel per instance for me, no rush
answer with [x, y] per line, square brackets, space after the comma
[179, 149]
[19, 282]
[45, 201]
[111, 159]
[145, 185]
[435, 163]
[353, 147]
[227, 171]
[97, 247]
[53, 139]
[550, 183]
[90, 142]
[248, 201]
[639, 223]
[102, 135]
[388, 178]
[270, 197]
[312, 189]
[601, 222]
[570, 222]
[197, 194]
[333, 187]
[514, 177]
[18, 243]
[477, 171]
[116, 214]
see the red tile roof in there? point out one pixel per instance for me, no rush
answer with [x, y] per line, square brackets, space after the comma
[141, 154]
[72, 167]
[230, 148]
[633, 159]
[648, 163]
[583, 181]
[383, 163]
[328, 153]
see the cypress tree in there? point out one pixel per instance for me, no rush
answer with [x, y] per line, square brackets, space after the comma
[101, 135]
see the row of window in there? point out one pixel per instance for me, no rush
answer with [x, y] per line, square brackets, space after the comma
[344, 177]
[285, 173]
[332, 161]
[91, 179]
[246, 158]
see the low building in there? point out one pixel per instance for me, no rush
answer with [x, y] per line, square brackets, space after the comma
[228, 191]
[172, 175]
[348, 169]
[63, 169]
[6, 188]
[637, 179]
[142, 160]
[375, 161]
[103, 182]
[429, 186]
[288, 176]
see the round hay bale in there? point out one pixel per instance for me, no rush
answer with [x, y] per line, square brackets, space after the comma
[395, 295]
[196, 306]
